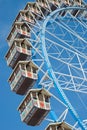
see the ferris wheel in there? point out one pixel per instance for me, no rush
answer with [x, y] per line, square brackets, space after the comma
[47, 52]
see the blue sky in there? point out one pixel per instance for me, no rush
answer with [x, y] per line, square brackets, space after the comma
[9, 116]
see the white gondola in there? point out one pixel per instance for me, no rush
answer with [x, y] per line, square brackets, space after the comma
[54, 4]
[76, 3]
[19, 30]
[20, 50]
[23, 77]
[35, 106]
[33, 8]
[59, 126]
[63, 4]
[44, 5]
[28, 5]
[25, 15]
